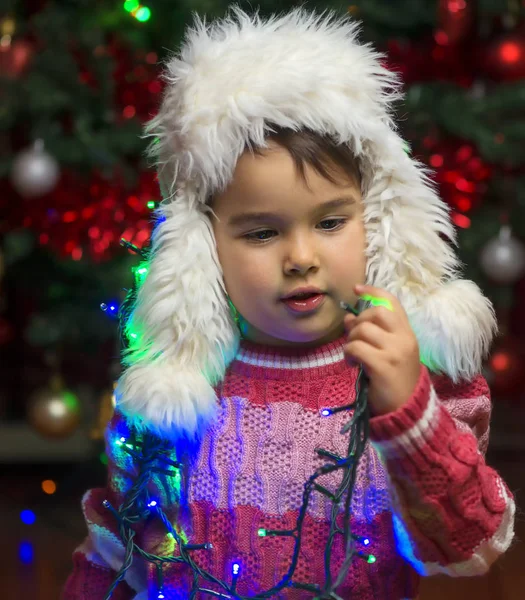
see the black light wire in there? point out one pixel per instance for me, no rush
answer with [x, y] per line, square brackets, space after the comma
[153, 458]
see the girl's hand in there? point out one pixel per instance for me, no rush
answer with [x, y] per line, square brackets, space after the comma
[382, 341]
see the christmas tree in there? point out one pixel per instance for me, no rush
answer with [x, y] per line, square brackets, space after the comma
[81, 78]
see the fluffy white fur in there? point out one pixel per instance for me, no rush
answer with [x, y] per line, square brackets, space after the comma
[229, 81]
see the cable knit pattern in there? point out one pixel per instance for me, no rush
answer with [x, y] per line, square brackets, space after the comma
[423, 496]
[449, 505]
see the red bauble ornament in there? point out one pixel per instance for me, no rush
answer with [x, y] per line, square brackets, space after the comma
[456, 21]
[506, 366]
[504, 57]
[15, 58]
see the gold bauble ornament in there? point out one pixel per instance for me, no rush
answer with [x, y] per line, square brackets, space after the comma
[54, 411]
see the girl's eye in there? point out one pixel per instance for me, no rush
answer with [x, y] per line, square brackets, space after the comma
[253, 236]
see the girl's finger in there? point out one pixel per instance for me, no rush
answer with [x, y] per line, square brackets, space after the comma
[370, 333]
[382, 317]
[349, 321]
[361, 353]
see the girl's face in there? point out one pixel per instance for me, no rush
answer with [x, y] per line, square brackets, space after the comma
[299, 244]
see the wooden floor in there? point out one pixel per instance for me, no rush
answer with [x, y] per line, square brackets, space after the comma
[59, 528]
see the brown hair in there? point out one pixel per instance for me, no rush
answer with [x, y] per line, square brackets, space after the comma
[319, 151]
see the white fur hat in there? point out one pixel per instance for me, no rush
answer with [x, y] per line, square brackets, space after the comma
[229, 81]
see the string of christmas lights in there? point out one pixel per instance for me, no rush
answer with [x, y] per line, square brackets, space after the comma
[150, 454]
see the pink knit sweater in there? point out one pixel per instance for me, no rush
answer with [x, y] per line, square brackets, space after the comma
[424, 496]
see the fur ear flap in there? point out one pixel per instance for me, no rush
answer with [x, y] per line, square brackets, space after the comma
[169, 402]
[410, 253]
[455, 326]
[182, 336]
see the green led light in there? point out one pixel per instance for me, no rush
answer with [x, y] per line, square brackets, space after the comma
[131, 5]
[151, 205]
[70, 400]
[143, 14]
[371, 559]
[261, 532]
[140, 274]
[377, 301]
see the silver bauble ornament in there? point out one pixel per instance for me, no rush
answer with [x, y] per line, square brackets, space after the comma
[34, 172]
[54, 412]
[503, 258]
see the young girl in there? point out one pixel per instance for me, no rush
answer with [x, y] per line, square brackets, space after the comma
[289, 196]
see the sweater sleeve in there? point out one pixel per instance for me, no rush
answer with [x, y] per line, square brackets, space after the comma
[97, 561]
[92, 577]
[452, 513]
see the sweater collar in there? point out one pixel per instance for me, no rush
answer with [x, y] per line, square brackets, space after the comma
[261, 361]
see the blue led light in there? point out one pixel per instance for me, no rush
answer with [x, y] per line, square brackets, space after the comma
[25, 552]
[111, 308]
[366, 541]
[326, 412]
[152, 503]
[28, 517]
[236, 568]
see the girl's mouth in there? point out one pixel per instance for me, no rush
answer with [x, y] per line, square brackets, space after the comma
[306, 304]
